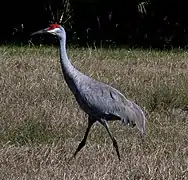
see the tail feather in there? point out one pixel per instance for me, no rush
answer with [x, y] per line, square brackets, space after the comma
[140, 119]
[134, 115]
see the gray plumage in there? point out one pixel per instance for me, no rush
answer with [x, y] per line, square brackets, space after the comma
[100, 101]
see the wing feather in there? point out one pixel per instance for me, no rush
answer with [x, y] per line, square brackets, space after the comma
[100, 100]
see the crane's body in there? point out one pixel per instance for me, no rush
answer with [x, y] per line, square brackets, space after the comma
[100, 101]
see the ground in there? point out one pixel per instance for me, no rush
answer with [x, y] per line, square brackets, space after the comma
[41, 124]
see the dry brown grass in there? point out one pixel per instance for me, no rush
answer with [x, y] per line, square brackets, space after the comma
[41, 124]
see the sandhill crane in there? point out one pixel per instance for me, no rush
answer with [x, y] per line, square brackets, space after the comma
[100, 101]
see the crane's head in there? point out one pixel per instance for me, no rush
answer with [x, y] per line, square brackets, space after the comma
[54, 29]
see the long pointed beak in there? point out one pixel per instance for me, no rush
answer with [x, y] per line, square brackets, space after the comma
[40, 32]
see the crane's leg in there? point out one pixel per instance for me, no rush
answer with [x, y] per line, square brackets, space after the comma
[91, 121]
[115, 144]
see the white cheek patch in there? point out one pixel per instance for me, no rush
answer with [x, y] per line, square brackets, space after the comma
[53, 31]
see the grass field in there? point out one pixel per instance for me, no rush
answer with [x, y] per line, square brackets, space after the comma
[41, 124]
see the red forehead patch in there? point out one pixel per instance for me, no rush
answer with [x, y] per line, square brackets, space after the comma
[53, 26]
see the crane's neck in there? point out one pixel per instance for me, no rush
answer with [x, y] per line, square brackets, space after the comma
[70, 73]
[64, 60]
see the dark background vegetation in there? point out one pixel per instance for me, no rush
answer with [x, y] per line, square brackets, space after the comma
[133, 23]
